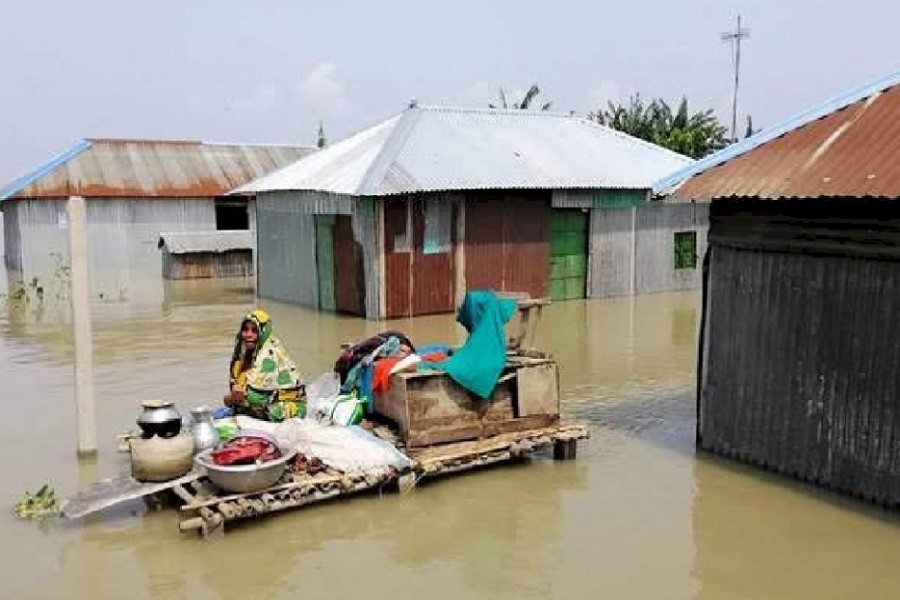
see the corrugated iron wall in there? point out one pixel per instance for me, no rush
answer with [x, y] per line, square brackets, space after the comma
[612, 252]
[799, 359]
[287, 250]
[633, 249]
[12, 244]
[419, 279]
[366, 227]
[122, 239]
[507, 241]
[349, 278]
[286, 243]
[208, 265]
[657, 225]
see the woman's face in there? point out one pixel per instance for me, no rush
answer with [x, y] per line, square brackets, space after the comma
[249, 334]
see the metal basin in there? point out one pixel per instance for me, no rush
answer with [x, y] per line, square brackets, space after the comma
[243, 479]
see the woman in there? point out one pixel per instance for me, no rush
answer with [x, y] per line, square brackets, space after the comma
[264, 382]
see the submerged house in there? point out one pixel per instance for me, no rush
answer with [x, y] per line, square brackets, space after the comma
[799, 349]
[135, 190]
[402, 218]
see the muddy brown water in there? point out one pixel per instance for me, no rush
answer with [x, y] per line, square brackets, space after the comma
[638, 515]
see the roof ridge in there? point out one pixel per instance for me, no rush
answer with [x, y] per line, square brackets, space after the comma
[400, 133]
[488, 110]
[796, 121]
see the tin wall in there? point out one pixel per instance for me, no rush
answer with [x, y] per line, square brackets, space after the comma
[286, 242]
[12, 245]
[507, 239]
[122, 239]
[208, 265]
[799, 358]
[612, 249]
[657, 224]
[633, 249]
[419, 264]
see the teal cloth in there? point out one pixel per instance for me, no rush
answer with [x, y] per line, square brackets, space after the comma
[478, 364]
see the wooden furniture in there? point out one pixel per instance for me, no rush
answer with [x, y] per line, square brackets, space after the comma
[530, 310]
[430, 408]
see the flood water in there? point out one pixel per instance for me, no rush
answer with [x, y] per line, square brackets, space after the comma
[638, 515]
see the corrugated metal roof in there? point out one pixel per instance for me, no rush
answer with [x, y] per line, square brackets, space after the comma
[444, 149]
[186, 242]
[151, 168]
[846, 146]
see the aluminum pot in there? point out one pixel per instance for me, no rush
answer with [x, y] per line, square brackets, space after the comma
[160, 418]
[203, 430]
[245, 478]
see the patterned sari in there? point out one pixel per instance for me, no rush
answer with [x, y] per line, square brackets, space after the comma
[268, 376]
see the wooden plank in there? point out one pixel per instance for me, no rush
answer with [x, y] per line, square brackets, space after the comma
[440, 434]
[393, 403]
[299, 482]
[565, 431]
[538, 390]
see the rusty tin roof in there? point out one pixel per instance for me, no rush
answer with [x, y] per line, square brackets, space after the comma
[151, 168]
[845, 147]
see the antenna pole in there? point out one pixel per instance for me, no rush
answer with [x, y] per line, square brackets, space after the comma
[734, 38]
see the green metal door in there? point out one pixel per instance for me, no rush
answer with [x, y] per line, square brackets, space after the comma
[568, 253]
[325, 261]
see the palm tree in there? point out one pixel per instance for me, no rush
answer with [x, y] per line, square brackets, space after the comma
[525, 102]
[693, 135]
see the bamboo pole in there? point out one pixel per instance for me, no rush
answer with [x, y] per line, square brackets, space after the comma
[81, 324]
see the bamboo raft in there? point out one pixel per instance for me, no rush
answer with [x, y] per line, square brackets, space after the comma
[206, 510]
[441, 428]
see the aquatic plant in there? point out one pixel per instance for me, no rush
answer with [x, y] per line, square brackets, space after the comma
[39, 505]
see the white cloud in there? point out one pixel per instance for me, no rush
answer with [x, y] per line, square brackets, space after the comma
[322, 91]
[603, 92]
[263, 99]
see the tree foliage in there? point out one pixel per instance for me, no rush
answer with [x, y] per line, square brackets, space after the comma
[694, 135]
[525, 102]
[321, 140]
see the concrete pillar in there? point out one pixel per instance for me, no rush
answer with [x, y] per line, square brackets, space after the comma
[81, 325]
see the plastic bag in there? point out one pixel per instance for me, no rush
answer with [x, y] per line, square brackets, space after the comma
[321, 396]
[347, 410]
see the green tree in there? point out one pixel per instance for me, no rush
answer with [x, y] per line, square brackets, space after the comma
[525, 102]
[750, 130]
[321, 140]
[694, 135]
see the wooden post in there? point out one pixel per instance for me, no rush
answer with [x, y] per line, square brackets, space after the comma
[81, 325]
[565, 449]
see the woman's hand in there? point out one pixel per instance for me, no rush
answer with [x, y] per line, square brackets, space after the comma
[236, 396]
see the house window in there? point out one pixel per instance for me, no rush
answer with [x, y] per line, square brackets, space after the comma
[232, 214]
[403, 242]
[686, 250]
[438, 222]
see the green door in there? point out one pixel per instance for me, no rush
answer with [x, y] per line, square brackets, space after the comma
[325, 261]
[568, 253]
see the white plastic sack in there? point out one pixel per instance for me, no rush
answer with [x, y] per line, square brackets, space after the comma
[348, 449]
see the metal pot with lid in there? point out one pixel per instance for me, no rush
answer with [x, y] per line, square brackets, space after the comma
[159, 418]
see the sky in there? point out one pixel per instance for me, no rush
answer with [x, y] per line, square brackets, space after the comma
[269, 70]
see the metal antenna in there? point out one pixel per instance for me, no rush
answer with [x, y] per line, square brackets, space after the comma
[734, 38]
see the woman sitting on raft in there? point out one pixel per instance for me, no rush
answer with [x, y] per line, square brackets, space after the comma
[264, 382]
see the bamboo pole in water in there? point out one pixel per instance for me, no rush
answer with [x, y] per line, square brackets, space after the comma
[81, 325]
